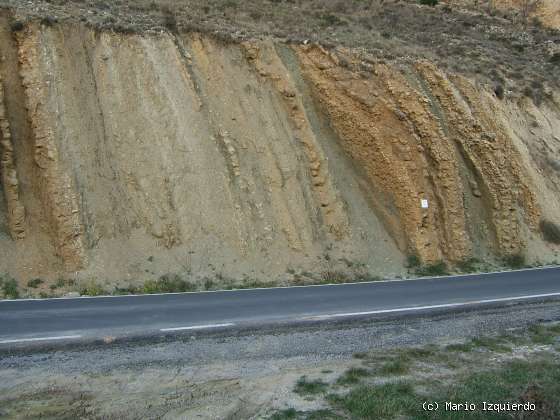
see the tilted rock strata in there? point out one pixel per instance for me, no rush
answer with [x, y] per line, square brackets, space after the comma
[386, 126]
[58, 195]
[10, 183]
[270, 67]
[484, 143]
[183, 153]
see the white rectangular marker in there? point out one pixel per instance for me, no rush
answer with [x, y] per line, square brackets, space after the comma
[27, 340]
[197, 327]
[424, 203]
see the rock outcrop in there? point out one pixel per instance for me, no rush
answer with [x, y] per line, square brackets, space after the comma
[142, 155]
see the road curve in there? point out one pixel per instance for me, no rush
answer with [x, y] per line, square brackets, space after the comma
[50, 320]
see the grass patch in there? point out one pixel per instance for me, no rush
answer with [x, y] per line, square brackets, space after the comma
[93, 289]
[468, 266]
[497, 345]
[352, 376]
[413, 261]
[307, 387]
[9, 287]
[460, 347]
[554, 329]
[414, 264]
[437, 269]
[34, 283]
[168, 283]
[399, 366]
[333, 276]
[419, 352]
[540, 334]
[515, 261]
[292, 413]
[360, 355]
[493, 344]
[61, 282]
[533, 381]
[287, 414]
[378, 402]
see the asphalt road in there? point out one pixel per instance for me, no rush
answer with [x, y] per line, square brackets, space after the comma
[63, 320]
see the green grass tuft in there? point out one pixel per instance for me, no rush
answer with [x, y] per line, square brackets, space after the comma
[9, 287]
[541, 335]
[379, 402]
[468, 266]
[93, 289]
[352, 376]
[399, 366]
[287, 414]
[460, 347]
[515, 261]
[307, 387]
[437, 269]
[168, 283]
[360, 355]
[34, 283]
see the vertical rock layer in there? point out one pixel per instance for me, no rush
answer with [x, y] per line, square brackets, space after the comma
[10, 182]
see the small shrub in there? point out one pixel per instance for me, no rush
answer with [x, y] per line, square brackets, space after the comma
[541, 335]
[360, 355]
[555, 58]
[92, 289]
[209, 284]
[468, 266]
[515, 261]
[306, 387]
[34, 283]
[352, 376]
[331, 276]
[412, 261]
[436, 269]
[287, 414]
[395, 367]
[168, 283]
[550, 231]
[429, 2]
[492, 344]
[9, 288]
[460, 347]
[332, 20]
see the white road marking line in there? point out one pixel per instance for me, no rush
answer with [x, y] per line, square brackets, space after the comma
[420, 308]
[197, 327]
[26, 340]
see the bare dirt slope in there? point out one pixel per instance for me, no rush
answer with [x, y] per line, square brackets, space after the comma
[131, 155]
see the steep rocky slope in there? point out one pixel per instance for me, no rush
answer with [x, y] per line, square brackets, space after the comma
[129, 156]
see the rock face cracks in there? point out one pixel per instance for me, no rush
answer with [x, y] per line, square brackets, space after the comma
[250, 158]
